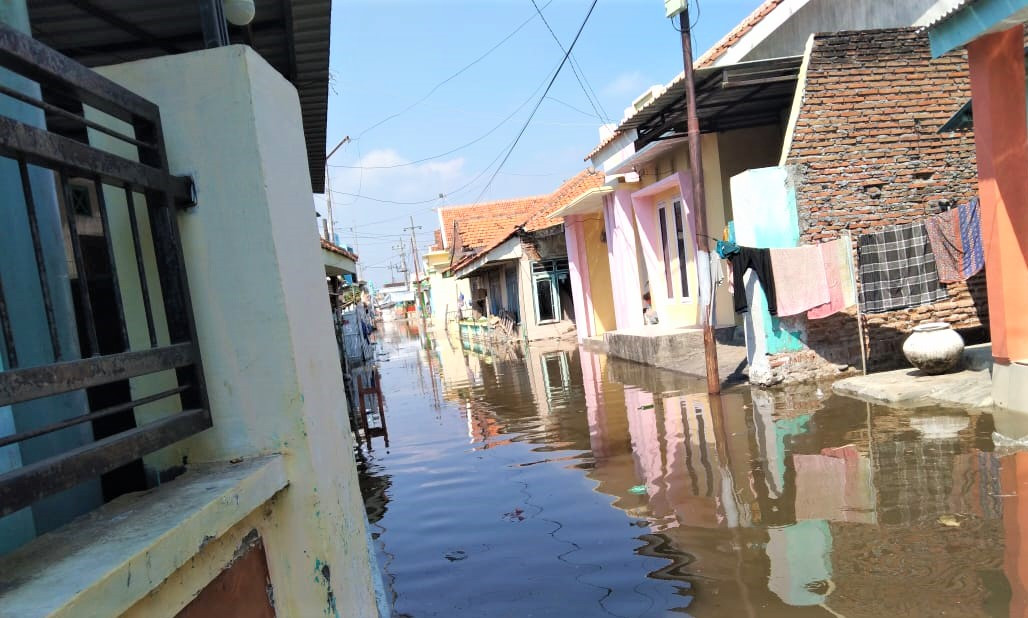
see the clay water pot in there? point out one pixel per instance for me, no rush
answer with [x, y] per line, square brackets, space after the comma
[934, 347]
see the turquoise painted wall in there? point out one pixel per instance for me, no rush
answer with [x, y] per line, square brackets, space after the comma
[764, 206]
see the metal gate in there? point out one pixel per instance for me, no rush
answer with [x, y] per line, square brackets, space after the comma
[88, 180]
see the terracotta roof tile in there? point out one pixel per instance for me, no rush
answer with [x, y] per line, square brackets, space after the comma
[536, 219]
[327, 246]
[477, 224]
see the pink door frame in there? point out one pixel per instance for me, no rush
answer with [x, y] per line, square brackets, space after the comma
[578, 266]
[622, 252]
[647, 223]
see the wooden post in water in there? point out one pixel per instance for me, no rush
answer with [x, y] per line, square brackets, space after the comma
[700, 206]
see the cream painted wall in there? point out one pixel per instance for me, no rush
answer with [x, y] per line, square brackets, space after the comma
[263, 320]
[601, 291]
[445, 292]
[677, 312]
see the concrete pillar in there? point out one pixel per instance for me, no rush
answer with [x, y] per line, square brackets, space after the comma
[624, 261]
[1001, 144]
[578, 267]
[32, 342]
[262, 315]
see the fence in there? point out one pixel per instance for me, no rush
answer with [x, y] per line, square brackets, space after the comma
[119, 244]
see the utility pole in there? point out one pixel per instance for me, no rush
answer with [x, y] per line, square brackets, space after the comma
[700, 204]
[403, 257]
[357, 250]
[417, 271]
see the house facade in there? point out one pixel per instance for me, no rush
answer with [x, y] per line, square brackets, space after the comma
[522, 276]
[186, 397]
[993, 35]
[759, 90]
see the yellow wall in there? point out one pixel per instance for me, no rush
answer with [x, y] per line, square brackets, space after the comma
[724, 155]
[600, 288]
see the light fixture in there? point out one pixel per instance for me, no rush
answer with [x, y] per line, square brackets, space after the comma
[239, 12]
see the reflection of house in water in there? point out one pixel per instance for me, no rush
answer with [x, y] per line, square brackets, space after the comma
[809, 491]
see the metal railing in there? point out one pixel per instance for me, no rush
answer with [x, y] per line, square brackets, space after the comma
[92, 186]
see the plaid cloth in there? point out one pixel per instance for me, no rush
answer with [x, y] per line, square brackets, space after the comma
[971, 237]
[897, 269]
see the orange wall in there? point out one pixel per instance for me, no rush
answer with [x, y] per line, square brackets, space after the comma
[1001, 144]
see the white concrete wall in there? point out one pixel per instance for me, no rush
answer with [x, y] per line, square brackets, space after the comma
[263, 319]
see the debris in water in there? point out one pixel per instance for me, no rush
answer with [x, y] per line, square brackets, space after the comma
[648, 406]
[516, 515]
[638, 489]
[949, 520]
[456, 555]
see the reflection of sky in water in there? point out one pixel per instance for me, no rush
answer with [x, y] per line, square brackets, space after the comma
[631, 495]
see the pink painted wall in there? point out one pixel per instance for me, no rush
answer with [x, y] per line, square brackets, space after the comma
[619, 217]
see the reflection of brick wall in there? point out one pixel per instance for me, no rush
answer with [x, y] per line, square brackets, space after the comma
[867, 153]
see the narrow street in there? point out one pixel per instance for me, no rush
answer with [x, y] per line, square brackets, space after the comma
[561, 482]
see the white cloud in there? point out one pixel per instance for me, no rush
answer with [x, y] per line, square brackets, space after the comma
[627, 85]
[387, 175]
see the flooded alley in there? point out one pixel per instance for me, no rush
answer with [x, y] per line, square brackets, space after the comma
[559, 482]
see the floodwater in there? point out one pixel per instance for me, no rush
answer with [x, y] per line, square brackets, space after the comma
[559, 482]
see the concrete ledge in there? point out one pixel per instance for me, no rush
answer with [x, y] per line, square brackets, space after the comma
[104, 562]
[677, 349]
[970, 388]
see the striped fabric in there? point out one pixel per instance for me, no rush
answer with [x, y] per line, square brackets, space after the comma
[897, 269]
[971, 237]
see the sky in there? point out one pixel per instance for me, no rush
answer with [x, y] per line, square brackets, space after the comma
[424, 133]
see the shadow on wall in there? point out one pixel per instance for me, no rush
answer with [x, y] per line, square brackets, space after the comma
[836, 338]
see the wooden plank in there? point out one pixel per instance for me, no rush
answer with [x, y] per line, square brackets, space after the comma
[26, 485]
[30, 383]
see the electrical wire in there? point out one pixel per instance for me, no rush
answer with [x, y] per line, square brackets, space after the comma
[556, 39]
[505, 120]
[451, 77]
[528, 121]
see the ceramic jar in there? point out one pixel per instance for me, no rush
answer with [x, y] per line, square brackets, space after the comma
[934, 347]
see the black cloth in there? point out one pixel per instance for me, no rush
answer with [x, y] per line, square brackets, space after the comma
[760, 261]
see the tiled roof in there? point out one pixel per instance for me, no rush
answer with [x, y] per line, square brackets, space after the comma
[327, 246]
[536, 219]
[707, 59]
[477, 224]
[735, 35]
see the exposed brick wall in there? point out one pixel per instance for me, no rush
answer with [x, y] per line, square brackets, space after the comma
[866, 153]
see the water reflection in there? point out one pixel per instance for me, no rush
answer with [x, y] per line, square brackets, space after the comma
[754, 503]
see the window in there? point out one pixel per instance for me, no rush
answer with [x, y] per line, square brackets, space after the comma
[511, 278]
[551, 280]
[666, 250]
[683, 256]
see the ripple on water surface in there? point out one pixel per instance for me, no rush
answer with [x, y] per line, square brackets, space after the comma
[559, 482]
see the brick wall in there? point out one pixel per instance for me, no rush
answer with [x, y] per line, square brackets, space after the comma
[867, 153]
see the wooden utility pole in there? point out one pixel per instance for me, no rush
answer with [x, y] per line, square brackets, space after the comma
[417, 271]
[700, 206]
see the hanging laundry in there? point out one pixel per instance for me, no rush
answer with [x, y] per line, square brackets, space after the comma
[897, 269]
[837, 257]
[944, 235]
[969, 216]
[760, 261]
[800, 282]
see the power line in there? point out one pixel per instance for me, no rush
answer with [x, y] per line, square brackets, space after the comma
[578, 77]
[452, 150]
[451, 77]
[540, 101]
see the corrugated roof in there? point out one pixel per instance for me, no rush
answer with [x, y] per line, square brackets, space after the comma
[940, 12]
[708, 58]
[292, 35]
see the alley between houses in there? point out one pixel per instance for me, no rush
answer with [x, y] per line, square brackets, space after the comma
[553, 481]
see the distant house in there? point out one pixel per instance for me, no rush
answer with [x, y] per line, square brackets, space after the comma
[522, 274]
